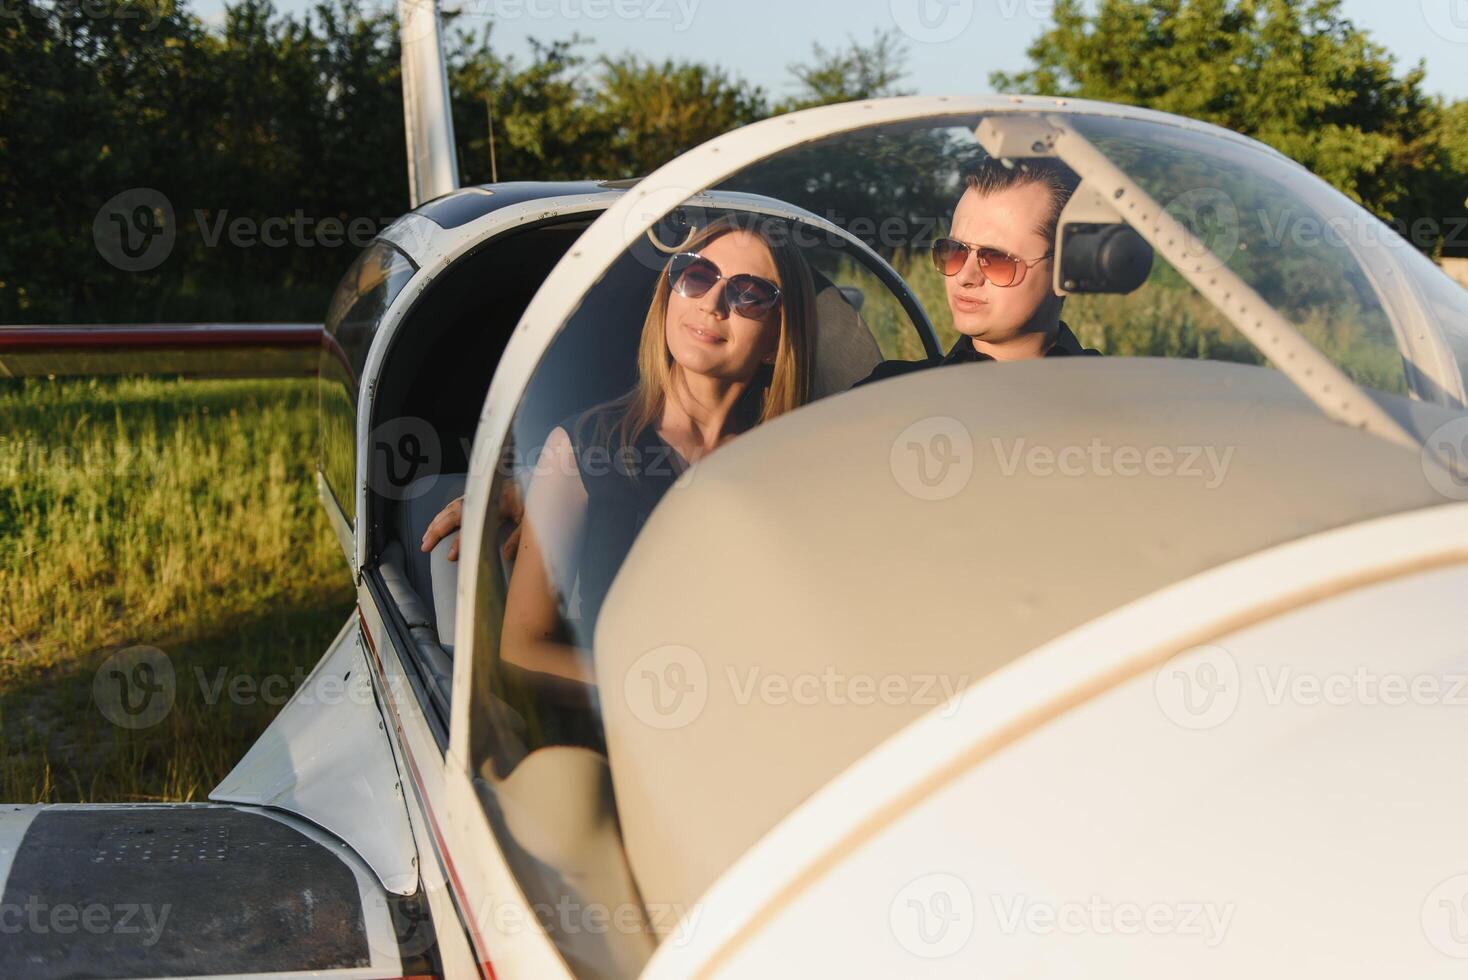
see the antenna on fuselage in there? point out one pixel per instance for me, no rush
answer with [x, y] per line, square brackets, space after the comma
[433, 166]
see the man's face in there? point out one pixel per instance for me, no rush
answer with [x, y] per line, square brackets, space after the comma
[1005, 220]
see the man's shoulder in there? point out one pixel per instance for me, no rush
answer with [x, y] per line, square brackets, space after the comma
[1066, 342]
[891, 369]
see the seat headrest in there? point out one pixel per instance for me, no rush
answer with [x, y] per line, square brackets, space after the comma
[843, 350]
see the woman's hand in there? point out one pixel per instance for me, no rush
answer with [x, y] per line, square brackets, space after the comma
[447, 522]
[451, 518]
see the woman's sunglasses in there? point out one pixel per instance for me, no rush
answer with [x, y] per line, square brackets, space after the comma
[692, 275]
[1000, 268]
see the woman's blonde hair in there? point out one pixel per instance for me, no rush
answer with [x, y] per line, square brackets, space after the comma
[788, 384]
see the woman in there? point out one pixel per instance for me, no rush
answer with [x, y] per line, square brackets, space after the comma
[725, 346]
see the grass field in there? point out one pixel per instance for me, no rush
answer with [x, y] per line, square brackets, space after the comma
[179, 515]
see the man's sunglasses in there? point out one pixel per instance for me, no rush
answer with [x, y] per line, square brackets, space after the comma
[1000, 268]
[692, 275]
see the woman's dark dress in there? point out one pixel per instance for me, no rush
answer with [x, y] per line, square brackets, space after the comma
[623, 485]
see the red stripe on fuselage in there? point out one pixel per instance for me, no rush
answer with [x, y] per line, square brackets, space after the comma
[440, 845]
[189, 336]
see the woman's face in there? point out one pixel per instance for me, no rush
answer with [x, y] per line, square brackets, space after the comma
[705, 336]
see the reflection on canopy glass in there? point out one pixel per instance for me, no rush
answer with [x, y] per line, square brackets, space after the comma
[1246, 206]
[789, 283]
[734, 311]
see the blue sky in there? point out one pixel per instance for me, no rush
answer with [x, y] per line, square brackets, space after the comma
[952, 45]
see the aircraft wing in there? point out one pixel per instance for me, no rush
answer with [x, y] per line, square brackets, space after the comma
[232, 350]
[193, 890]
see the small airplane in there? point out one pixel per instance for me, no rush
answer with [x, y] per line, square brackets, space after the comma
[1121, 666]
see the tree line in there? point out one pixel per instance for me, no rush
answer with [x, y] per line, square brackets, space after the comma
[294, 125]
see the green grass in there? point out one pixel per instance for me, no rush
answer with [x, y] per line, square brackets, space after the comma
[174, 514]
[884, 316]
[181, 515]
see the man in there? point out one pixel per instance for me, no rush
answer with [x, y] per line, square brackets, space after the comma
[998, 264]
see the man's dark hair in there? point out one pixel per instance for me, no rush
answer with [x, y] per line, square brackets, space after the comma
[995, 175]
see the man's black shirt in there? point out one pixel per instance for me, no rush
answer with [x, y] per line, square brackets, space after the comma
[1066, 345]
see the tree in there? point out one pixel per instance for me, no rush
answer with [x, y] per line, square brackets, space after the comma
[887, 187]
[269, 116]
[1295, 74]
[1453, 135]
[857, 71]
[294, 121]
[563, 117]
[545, 125]
[656, 112]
